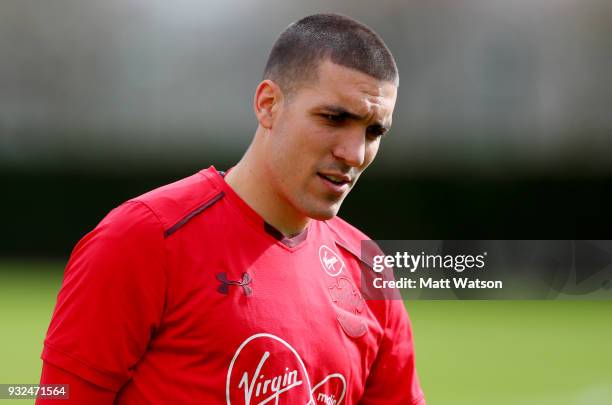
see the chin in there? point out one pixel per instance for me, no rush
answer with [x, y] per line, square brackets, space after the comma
[323, 213]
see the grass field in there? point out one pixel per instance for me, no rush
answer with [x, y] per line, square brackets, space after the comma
[468, 352]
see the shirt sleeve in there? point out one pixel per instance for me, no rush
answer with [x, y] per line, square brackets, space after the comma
[111, 300]
[79, 390]
[393, 379]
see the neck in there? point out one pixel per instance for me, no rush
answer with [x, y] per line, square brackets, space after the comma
[250, 181]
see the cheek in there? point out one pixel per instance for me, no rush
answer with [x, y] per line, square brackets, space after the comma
[295, 153]
[311, 145]
[302, 148]
[370, 152]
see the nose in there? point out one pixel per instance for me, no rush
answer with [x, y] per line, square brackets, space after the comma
[351, 148]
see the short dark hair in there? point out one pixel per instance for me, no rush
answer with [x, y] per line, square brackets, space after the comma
[304, 44]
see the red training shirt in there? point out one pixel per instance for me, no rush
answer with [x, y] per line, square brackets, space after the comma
[185, 295]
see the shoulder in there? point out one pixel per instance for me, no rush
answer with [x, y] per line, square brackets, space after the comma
[143, 223]
[174, 204]
[345, 230]
[364, 250]
[349, 237]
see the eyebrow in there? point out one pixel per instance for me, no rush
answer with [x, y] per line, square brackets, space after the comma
[343, 112]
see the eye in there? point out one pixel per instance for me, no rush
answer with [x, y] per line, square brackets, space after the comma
[334, 118]
[376, 131]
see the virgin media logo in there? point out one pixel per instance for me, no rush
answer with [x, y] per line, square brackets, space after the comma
[266, 369]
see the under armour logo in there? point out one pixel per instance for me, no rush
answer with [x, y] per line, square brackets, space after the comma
[225, 283]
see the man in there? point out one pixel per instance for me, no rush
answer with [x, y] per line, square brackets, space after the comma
[241, 288]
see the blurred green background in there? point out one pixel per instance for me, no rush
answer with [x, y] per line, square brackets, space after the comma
[502, 130]
[468, 352]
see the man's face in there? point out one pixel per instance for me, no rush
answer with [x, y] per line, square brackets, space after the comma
[325, 135]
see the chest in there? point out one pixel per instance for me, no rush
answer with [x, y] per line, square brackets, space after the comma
[272, 324]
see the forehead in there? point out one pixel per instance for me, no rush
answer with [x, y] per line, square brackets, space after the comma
[363, 94]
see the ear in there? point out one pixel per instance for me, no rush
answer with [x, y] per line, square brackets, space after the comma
[266, 103]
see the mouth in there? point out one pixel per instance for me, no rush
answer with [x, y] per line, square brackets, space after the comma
[336, 182]
[336, 178]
